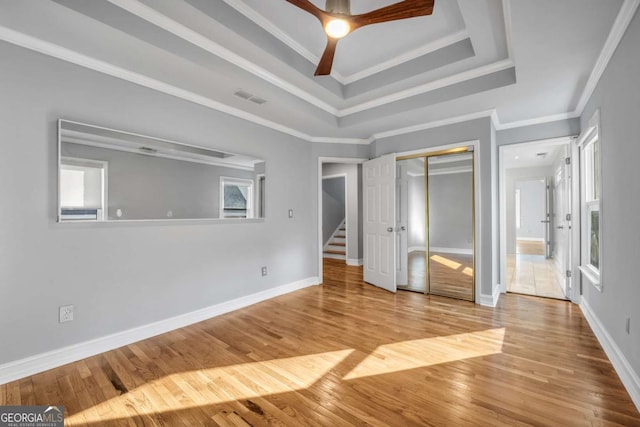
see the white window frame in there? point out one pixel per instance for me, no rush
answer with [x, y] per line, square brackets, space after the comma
[590, 201]
[238, 181]
[89, 163]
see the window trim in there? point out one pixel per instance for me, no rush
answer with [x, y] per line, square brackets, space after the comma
[588, 204]
[241, 181]
[102, 213]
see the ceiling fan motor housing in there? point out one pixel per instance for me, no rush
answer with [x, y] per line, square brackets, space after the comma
[341, 7]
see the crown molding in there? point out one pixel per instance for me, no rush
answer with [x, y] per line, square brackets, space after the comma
[534, 121]
[331, 140]
[434, 124]
[508, 27]
[406, 57]
[428, 87]
[73, 57]
[625, 15]
[162, 21]
[620, 26]
[56, 51]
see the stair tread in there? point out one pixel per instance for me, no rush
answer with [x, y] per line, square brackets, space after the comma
[335, 252]
[337, 244]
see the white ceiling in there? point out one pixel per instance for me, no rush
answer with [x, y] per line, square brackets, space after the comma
[519, 61]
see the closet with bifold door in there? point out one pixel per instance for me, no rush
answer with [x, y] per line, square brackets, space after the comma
[435, 218]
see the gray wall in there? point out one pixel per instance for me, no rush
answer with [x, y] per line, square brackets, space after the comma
[121, 276]
[532, 209]
[354, 205]
[560, 128]
[451, 211]
[486, 218]
[333, 205]
[618, 97]
[147, 187]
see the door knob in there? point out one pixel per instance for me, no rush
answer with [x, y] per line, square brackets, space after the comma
[403, 228]
[545, 221]
[390, 229]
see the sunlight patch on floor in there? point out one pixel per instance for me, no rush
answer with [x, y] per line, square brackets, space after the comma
[420, 353]
[220, 384]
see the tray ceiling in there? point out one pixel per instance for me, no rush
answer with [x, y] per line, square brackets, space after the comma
[510, 59]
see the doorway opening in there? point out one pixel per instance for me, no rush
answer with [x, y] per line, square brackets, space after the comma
[435, 224]
[339, 211]
[535, 218]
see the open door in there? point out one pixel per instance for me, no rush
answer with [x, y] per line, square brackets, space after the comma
[379, 199]
[562, 224]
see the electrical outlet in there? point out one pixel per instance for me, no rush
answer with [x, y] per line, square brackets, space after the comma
[627, 326]
[66, 313]
[264, 271]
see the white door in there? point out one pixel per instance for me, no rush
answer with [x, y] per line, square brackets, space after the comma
[562, 226]
[379, 197]
[547, 220]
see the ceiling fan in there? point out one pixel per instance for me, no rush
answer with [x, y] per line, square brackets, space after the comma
[338, 21]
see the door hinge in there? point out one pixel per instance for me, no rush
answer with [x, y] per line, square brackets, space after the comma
[567, 160]
[568, 272]
[568, 217]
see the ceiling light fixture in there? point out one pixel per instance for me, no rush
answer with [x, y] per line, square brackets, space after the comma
[337, 28]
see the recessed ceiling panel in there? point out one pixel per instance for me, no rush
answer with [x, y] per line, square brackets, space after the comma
[369, 46]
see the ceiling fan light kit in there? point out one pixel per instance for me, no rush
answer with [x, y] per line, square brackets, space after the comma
[338, 21]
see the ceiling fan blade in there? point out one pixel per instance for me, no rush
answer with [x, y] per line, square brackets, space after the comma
[401, 10]
[307, 6]
[326, 62]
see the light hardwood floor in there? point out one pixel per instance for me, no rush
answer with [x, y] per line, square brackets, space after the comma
[347, 353]
[529, 247]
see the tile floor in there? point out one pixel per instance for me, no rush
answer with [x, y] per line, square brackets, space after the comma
[533, 275]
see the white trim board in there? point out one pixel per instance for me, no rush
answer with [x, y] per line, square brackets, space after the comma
[354, 262]
[491, 300]
[623, 368]
[31, 365]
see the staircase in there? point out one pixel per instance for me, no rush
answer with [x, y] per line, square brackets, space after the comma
[336, 246]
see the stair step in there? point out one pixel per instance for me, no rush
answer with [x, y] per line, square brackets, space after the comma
[342, 236]
[334, 252]
[337, 244]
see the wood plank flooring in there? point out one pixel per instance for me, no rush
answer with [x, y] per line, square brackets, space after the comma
[529, 247]
[347, 353]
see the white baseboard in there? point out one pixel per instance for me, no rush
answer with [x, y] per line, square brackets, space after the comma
[530, 239]
[627, 375]
[460, 251]
[417, 249]
[17, 369]
[354, 262]
[334, 256]
[490, 300]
